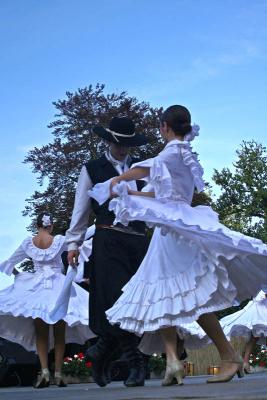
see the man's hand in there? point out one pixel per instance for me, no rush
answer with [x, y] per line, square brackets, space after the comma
[73, 257]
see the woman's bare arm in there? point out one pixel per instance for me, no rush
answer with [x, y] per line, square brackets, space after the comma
[133, 174]
[144, 194]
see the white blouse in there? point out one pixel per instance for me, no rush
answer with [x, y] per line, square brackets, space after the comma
[42, 258]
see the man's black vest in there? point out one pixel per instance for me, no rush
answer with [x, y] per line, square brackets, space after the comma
[101, 170]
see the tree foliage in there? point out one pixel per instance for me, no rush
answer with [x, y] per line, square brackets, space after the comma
[58, 163]
[242, 204]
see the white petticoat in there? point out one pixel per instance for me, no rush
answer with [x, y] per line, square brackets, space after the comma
[251, 320]
[193, 335]
[30, 297]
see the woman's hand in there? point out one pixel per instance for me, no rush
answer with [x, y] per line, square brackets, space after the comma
[114, 182]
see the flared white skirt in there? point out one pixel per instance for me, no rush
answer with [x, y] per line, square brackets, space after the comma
[251, 320]
[30, 297]
[194, 265]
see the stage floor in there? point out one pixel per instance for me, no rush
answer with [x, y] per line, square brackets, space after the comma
[252, 387]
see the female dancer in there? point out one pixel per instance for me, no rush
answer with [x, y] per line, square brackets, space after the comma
[194, 265]
[26, 306]
[250, 322]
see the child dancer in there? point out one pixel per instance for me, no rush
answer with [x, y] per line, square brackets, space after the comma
[194, 265]
[25, 307]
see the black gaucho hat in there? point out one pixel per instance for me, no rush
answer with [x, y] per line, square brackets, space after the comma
[121, 131]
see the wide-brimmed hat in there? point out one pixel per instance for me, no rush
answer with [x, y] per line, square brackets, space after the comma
[121, 131]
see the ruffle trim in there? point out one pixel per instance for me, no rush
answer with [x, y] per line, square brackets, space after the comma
[259, 330]
[193, 335]
[160, 179]
[43, 254]
[147, 307]
[190, 159]
[38, 311]
[21, 330]
[18, 305]
[184, 219]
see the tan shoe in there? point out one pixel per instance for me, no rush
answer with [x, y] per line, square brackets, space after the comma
[43, 381]
[174, 373]
[247, 368]
[228, 377]
[59, 381]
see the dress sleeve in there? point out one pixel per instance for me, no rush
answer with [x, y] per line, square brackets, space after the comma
[82, 208]
[8, 265]
[159, 179]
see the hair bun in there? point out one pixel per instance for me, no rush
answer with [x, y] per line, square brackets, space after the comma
[185, 128]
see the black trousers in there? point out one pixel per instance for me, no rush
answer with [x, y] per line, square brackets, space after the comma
[115, 258]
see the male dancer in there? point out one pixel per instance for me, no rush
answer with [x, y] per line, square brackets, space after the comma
[117, 250]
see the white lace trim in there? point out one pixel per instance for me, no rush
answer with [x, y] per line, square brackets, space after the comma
[43, 254]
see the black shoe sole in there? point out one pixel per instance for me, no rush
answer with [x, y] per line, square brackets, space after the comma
[134, 384]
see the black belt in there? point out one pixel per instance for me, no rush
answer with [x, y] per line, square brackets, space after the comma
[120, 228]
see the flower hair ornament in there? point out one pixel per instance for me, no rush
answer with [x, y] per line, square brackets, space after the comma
[194, 132]
[46, 220]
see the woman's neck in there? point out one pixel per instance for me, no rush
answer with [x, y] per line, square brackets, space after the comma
[43, 233]
[172, 136]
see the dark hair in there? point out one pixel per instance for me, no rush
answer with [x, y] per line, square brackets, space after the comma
[178, 118]
[40, 222]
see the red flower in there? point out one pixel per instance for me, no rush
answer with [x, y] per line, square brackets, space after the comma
[80, 356]
[262, 363]
[66, 359]
[88, 364]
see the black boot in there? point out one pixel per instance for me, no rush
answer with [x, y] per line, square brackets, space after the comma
[137, 372]
[100, 354]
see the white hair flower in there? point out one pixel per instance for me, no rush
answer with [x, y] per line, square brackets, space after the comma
[46, 220]
[194, 132]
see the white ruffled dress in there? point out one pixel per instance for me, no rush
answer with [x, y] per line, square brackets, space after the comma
[34, 295]
[251, 320]
[194, 264]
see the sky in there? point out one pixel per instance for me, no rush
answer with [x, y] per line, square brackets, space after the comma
[209, 55]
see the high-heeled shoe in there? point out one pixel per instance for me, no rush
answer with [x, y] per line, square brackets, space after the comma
[43, 381]
[59, 381]
[174, 370]
[227, 377]
[247, 368]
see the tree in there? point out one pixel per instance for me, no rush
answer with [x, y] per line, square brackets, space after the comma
[242, 204]
[58, 163]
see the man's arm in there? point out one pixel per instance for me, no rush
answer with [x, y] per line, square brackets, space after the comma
[79, 220]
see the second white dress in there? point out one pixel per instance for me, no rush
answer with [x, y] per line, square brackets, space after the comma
[251, 320]
[34, 295]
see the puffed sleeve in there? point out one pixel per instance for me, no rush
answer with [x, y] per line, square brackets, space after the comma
[8, 265]
[159, 179]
